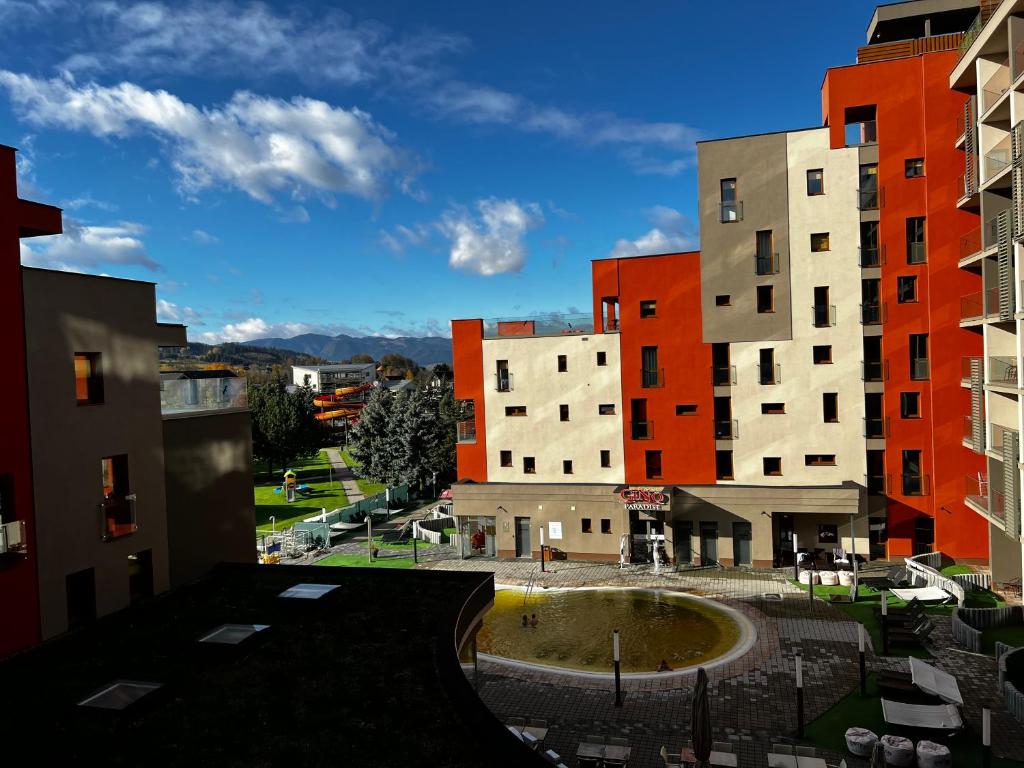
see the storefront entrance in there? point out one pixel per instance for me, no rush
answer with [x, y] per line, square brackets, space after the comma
[478, 535]
[682, 541]
[523, 548]
[640, 528]
[742, 535]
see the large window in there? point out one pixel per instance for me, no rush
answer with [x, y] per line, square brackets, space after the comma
[914, 482]
[88, 378]
[765, 262]
[919, 369]
[830, 407]
[870, 253]
[916, 251]
[730, 208]
[118, 504]
[816, 181]
[767, 371]
[652, 461]
[868, 196]
[651, 375]
[723, 465]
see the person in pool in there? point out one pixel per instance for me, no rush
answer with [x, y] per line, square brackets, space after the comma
[526, 621]
[533, 620]
[664, 667]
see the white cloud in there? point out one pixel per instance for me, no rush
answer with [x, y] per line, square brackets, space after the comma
[204, 237]
[87, 201]
[85, 247]
[492, 242]
[168, 312]
[260, 145]
[672, 233]
[259, 328]
[404, 236]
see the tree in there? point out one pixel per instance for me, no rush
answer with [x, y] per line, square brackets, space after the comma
[283, 426]
[370, 434]
[396, 366]
[442, 447]
[362, 358]
[444, 372]
[418, 438]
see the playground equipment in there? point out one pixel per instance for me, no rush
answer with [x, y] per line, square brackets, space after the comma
[290, 487]
[340, 404]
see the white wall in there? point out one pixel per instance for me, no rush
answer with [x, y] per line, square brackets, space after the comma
[802, 430]
[537, 384]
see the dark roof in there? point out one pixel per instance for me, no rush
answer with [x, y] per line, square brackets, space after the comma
[365, 676]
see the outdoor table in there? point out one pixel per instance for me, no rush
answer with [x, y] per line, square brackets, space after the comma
[538, 733]
[593, 751]
[617, 753]
[380, 512]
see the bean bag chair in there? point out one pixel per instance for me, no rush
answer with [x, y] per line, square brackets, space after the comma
[809, 577]
[932, 755]
[860, 741]
[899, 751]
[829, 578]
[846, 578]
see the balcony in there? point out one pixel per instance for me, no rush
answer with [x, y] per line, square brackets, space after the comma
[916, 253]
[869, 199]
[859, 134]
[972, 306]
[465, 431]
[727, 429]
[723, 375]
[117, 516]
[823, 315]
[997, 159]
[977, 493]
[965, 369]
[13, 539]
[992, 302]
[971, 244]
[873, 314]
[993, 89]
[872, 256]
[652, 379]
[555, 324]
[729, 212]
[182, 396]
[766, 264]
[920, 369]
[874, 370]
[986, 10]
[999, 433]
[503, 381]
[1002, 371]
[612, 325]
[641, 430]
[968, 429]
[876, 427]
[769, 374]
[990, 233]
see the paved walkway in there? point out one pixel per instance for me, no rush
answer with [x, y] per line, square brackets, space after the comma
[345, 475]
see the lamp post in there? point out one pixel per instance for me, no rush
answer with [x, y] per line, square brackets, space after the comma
[796, 560]
[542, 548]
[986, 737]
[863, 666]
[273, 523]
[369, 538]
[799, 696]
[885, 622]
[615, 658]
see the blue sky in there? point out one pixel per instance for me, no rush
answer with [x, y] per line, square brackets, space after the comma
[381, 167]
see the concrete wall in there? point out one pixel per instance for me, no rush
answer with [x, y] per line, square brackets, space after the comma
[208, 471]
[64, 314]
[802, 429]
[537, 384]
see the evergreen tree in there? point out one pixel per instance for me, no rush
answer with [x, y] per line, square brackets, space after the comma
[442, 446]
[369, 435]
[283, 426]
[393, 468]
[418, 438]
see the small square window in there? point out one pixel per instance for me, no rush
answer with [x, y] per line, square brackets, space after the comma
[914, 167]
[816, 181]
[529, 465]
[606, 409]
[585, 525]
[563, 412]
[606, 459]
[906, 289]
[567, 467]
[606, 525]
[910, 405]
[648, 308]
[819, 459]
[772, 466]
[819, 242]
[563, 364]
[773, 408]
[506, 458]
[515, 410]
[765, 299]
[723, 300]
[88, 378]
[686, 410]
[822, 354]
[602, 358]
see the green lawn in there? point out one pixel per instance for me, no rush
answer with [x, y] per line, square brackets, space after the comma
[313, 467]
[956, 570]
[829, 730]
[361, 561]
[269, 503]
[1009, 635]
[368, 487]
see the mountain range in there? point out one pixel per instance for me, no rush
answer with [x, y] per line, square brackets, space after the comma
[425, 350]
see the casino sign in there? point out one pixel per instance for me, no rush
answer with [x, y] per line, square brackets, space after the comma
[644, 499]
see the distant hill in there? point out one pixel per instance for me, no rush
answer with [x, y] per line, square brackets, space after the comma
[231, 353]
[424, 349]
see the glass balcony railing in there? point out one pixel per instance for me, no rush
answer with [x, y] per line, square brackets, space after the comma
[999, 434]
[117, 516]
[870, 198]
[872, 314]
[465, 431]
[992, 302]
[972, 306]
[823, 315]
[996, 85]
[872, 256]
[723, 375]
[652, 379]
[915, 484]
[916, 253]
[769, 374]
[12, 537]
[727, 429]
[503, 382]
[863, 132]
[766, 264]
[970, 243]
[1002, 371]
[875, 428]
[873, 370]
[554, 324]
[193, 395]
[920, 369]
[875, 483]
[968, 428]
[730, 211]
[990, 233]
[998, 159]
[641, 430]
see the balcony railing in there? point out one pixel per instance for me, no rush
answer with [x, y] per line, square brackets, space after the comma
[920, 369]
[12, 537]
[968, 428]
[990, 233]
[194, 395]
[465, 431]
[915, 484]
[730, 211]
[864, 132]
[611, 325]
[727, 429]
[978, 491]
[916, 253]
[823, 315]
[872, 256]
[992, 303]
[993, 88]
[869, 199]
[965, 367]
[986, 10]
[970, 243]
[723, 375]
[999, 433]
[960, 126]
[503, 382]
[998, 158]
[972, 306]
[554, 324]
[652, 379]
[769, 374]
[873, 314]
[641, 430]
[876, 427]
[1002, 370]
[766, 264]
[117, 516]
[874, 370]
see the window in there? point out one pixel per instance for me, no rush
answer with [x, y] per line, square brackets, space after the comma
[563, 364]
[606, 525]
[767, 371]
[503, 377]
[820, 459]
[819, 242]
[515, 410]
[606, 459]
[822, 354]
[585, 525]
[723, 300]
[868, 198]
[652, 460]
[765, 262]
[567, 466]
[506, 458]
[88, 378]
[919, 356]
[723, 465]
[914, 167]
[686, 410]
[773, 408]
[816, 181]
[118, 501]
[650, 373]
[606, 409]
[910, 405]
[648, 308]
[563, 412]
[870, 253]
[529, 465]
[906, 289]
[772, 466]
[916, 253]
[730, 209]
[913, 480]
[765, 299]
[602, 358]
[830, 407]
[823, 312]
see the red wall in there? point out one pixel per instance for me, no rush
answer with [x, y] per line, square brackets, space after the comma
[916, 117]
[686, 442]
[468, 365]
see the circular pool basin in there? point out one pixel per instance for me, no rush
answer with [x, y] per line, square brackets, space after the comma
[574, 630]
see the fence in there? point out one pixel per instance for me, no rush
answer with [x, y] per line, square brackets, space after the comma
[1011, 673]
[968, 624]
[432, 530]
[974, 580]
[923, 569]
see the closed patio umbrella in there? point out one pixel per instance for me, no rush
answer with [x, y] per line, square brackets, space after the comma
[700, 720]
[878, 755]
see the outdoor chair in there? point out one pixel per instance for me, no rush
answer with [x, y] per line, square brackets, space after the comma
[535, 722]
[668, 763]
[721, 746]
[806, 752]
[782, 749]
[591, 739]
[616, 741]
[588, 762]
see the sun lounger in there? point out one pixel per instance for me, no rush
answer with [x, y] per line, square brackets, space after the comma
[936, 682]
[938, 716]
[923, 594]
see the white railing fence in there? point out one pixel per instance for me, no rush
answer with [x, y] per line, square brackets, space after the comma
[923, 571]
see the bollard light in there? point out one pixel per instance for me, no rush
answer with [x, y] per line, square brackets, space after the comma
[799, 696]
[615, 658]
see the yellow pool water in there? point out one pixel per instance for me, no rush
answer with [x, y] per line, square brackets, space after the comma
[574, 629]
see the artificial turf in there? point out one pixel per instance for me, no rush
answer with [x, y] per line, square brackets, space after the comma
[1008, 635]
[368, 487]
[312, 467]
[322, 496]
[362, 561]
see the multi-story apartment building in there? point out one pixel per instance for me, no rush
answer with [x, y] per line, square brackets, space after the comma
[801, 375]
[989, 148]
[324, 379]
